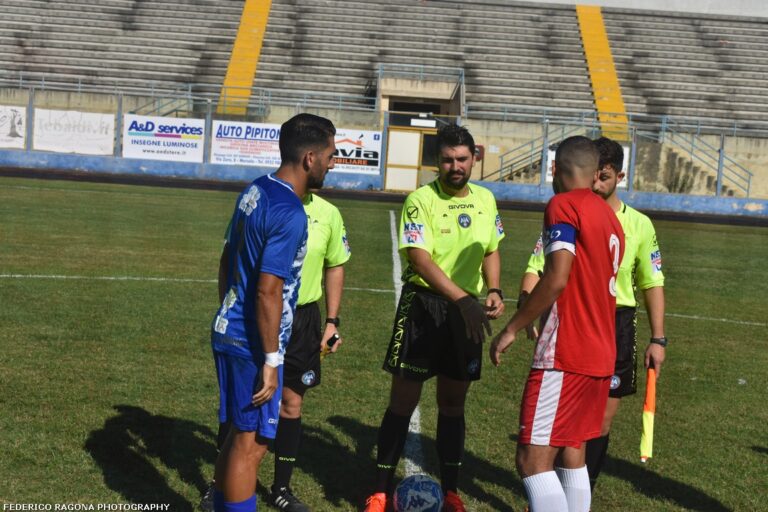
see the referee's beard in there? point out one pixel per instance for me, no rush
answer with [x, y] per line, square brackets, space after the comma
[455, 184]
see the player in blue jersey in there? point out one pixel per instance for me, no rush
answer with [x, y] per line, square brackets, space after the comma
[259, 277]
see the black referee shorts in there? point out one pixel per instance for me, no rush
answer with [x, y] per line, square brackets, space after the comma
[624, 380]
[429, 338]
[301, 369]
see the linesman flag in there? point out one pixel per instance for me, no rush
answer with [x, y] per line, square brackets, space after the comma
[649, 410]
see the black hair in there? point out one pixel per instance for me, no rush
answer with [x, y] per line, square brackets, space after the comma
[576, 154]
[303, 132]
[452, 135]
[611, 153]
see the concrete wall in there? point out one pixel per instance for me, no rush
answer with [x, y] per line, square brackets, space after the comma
[683, 204]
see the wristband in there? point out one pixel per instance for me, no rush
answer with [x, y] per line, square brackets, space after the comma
[333, 320]
[497, 291]
[273, 359]
[522, 298]
[660, 341]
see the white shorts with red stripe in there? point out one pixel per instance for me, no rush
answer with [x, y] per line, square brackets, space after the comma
[561, 408]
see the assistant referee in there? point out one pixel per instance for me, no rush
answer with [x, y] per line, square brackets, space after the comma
[327, 251]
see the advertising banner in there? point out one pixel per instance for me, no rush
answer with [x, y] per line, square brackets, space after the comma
[358, 151]
[246, 144]
[13, 127]
[163, 138]
[71, 131]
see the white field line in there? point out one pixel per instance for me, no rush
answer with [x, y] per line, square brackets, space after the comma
[413, 452]
[346, 288]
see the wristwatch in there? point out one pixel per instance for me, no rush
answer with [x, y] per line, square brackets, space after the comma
[660, 341]
[333, 320]
[497, 291]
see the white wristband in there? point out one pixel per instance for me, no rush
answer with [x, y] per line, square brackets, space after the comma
[273, 359]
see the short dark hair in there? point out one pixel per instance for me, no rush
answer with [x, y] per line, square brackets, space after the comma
[452, 135]
[576, 153]
[611, 153]
[302, 132]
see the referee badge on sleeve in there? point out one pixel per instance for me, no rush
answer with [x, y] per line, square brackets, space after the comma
[413, 233]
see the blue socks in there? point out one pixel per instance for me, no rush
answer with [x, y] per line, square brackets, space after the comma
[219, 505]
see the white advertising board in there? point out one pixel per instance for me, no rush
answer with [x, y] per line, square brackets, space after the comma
[72, 131]
[13, 127]
[245, 144]
[163, 138]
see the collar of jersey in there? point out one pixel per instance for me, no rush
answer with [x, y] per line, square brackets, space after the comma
[278, 180]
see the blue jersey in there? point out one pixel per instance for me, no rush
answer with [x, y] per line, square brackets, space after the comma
[268, 233]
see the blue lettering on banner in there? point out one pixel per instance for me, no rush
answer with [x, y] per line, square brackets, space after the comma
[179, 130]
[136, 126]
[249, 132]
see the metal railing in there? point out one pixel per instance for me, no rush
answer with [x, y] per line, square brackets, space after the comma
[532, 155]
[710, 158]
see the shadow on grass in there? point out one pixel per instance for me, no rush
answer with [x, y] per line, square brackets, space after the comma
[129, 445]
[347, 475]
[659, 487]
[760, 449]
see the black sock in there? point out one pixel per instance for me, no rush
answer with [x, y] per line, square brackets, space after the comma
[286, 450]
[596, 450]
[392, 434]
[450, 449]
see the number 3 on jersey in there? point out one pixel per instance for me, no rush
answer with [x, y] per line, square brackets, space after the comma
[615, 247]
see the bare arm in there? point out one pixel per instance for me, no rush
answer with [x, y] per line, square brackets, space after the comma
[269, 311]
[527, 284]
[546, 292]
[654, 306]
[494, 304]
[334, 285]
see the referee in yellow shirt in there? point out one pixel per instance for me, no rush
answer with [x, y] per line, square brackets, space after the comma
[449, 233]
[327, 251]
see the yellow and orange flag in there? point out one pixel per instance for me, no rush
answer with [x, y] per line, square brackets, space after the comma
[649, 411]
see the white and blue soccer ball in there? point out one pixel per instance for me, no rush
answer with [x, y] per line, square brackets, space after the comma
[418, 493]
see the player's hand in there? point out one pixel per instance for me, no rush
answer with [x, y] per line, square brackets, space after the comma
[654, 356]
[268, 385]
[494, 306]
[474, 318]
[330, 330]
[500, 344]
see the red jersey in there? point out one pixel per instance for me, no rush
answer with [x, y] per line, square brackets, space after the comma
[579, 335]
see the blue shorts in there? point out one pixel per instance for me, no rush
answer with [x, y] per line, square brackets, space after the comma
[238, 381]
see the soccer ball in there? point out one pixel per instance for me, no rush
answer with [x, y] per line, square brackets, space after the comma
[418, 493]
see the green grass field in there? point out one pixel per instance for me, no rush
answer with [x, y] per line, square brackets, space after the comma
[108, 392]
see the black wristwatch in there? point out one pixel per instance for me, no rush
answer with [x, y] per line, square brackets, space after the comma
[660, 341]
[335, 321]
[497, 291]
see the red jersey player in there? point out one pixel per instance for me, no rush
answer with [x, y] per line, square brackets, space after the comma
[567, 388]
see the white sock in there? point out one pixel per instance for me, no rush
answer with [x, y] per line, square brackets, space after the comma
[576, 488]
[545, 494]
